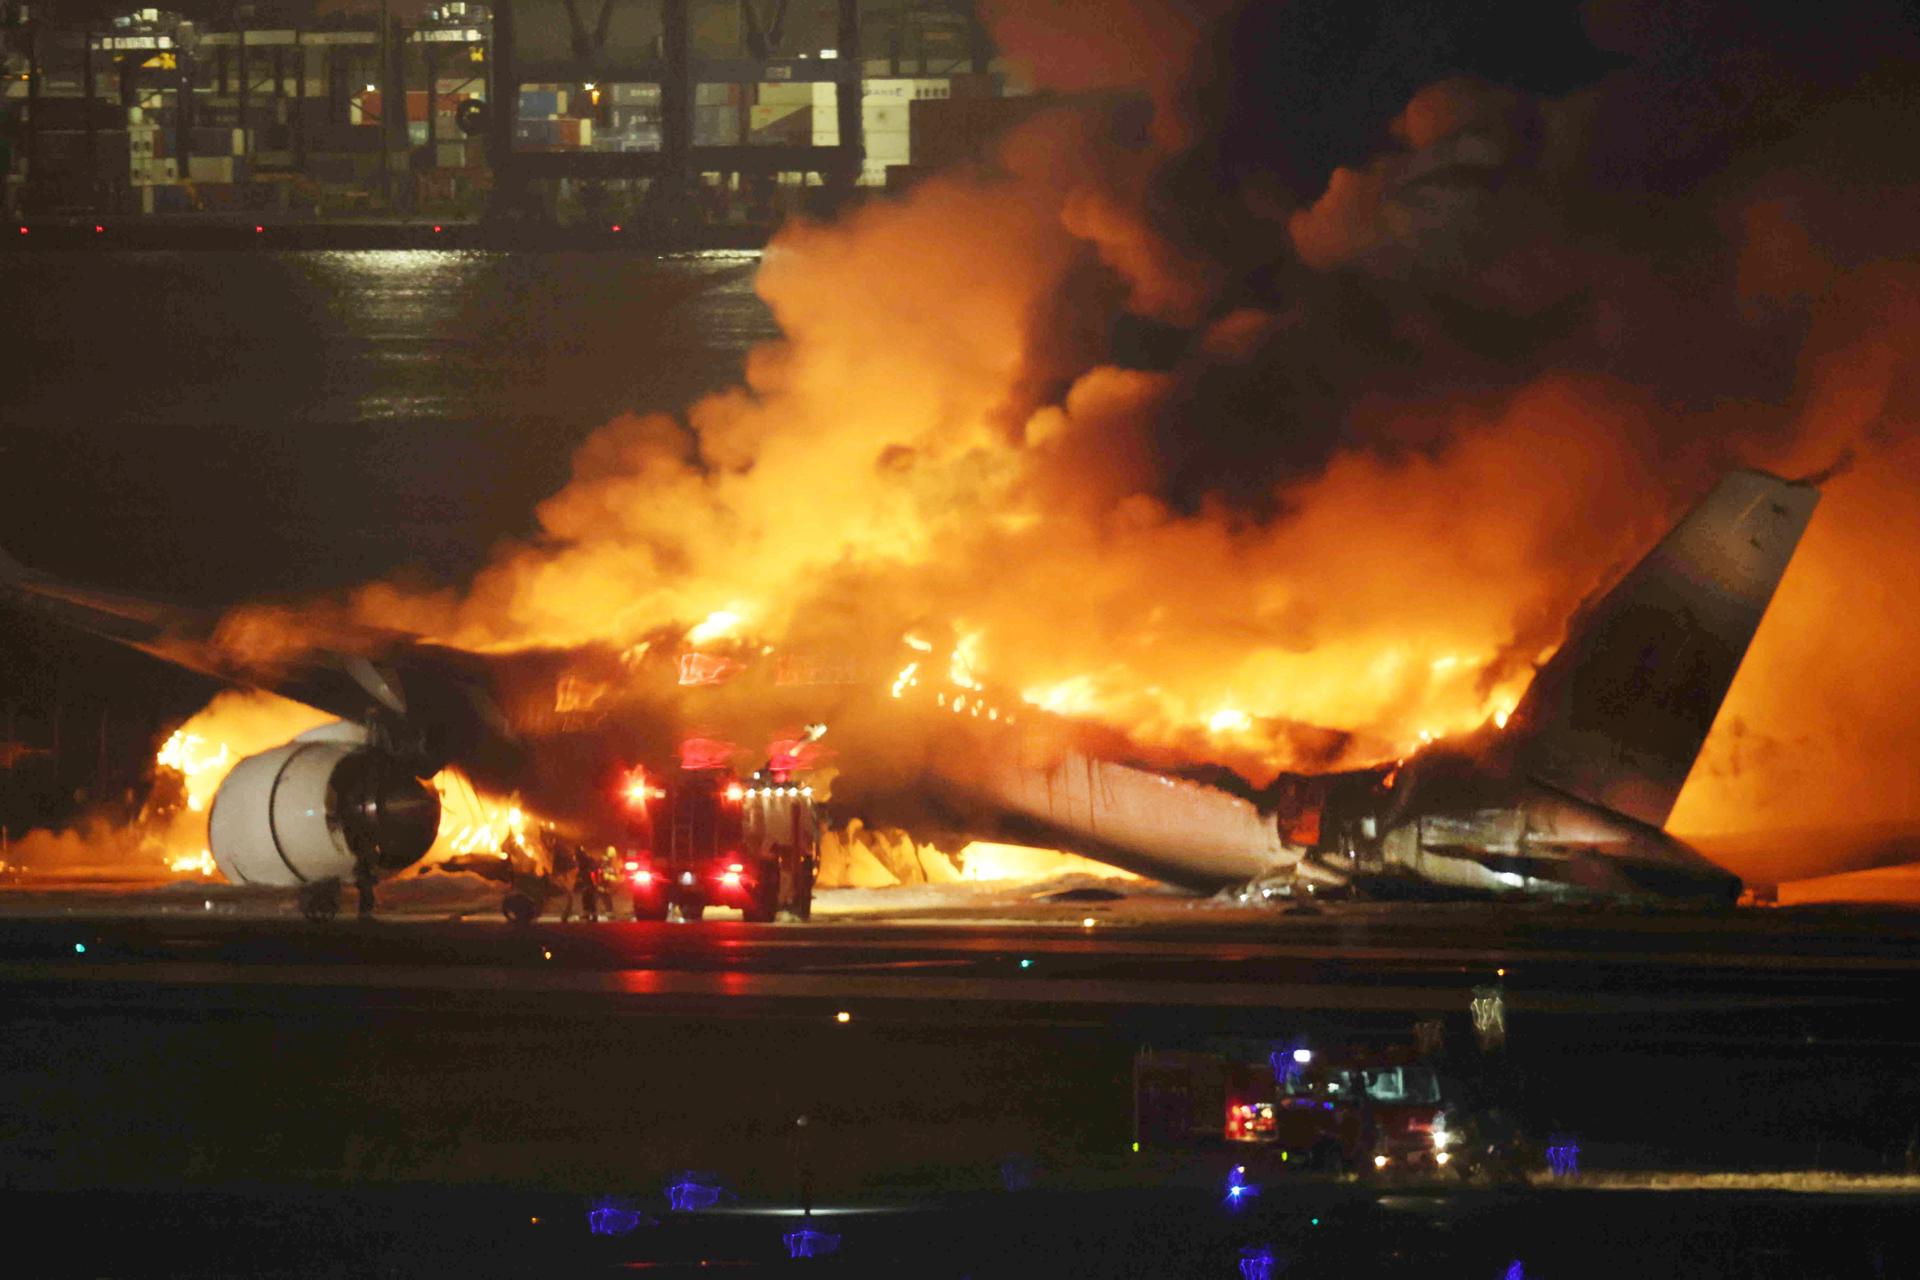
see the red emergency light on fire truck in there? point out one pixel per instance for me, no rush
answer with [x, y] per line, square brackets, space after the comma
[705, 836]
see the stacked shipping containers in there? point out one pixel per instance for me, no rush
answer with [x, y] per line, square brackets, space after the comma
[885, 120]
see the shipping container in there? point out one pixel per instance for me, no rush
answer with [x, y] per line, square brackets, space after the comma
[208, 140]
[716, 126]
[883, 117]
[155, 171]
[210, 169]
[779, 125]
[789, 95]
[542, 104]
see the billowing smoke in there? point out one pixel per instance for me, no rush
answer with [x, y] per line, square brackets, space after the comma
[1275, 396]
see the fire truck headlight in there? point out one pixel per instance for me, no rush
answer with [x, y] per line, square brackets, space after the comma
[643, 877]
[1441, 1157]
[731, 879]
[1442, 1138]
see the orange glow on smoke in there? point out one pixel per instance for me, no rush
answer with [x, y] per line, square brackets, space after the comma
[905, 463]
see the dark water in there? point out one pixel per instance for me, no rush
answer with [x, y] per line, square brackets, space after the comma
[217, 427]
[220, 425]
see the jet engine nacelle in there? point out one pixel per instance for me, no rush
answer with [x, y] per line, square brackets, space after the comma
[296, 814]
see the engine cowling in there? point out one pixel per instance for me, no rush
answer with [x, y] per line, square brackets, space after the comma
[296, 814]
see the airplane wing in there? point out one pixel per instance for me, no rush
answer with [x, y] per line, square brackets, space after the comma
[342, 682]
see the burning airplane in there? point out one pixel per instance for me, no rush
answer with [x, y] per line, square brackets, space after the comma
[1567, 797]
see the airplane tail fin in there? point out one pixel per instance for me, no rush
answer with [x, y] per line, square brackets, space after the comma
[1617, 716]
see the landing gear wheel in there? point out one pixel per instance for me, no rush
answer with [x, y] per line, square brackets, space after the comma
[520, 909]
[320, 902]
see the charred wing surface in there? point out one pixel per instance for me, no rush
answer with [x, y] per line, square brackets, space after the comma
[1618, 715]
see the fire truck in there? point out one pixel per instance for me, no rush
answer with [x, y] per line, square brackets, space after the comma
[1351, 1110]
[710, 838]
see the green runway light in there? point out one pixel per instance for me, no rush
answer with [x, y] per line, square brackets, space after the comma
[1026, 964]
[79, 948]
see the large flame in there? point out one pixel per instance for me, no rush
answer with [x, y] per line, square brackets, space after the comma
[1356, 509]
[237, 724]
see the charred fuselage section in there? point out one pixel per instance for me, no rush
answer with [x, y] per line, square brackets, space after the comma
[1454, 820]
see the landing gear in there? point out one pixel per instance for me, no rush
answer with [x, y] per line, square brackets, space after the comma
[320, 901]
[520, 909]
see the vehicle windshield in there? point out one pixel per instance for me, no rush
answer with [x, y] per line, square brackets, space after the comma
[1378, 1084]
[1401, 1084]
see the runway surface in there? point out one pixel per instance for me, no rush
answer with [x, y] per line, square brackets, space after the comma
[442, 1087]
[971, 950]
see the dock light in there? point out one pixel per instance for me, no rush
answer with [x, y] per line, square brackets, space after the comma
[546, 954]
[1303, 1056]
[843, 1016]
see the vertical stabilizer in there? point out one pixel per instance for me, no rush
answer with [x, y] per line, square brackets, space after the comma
[1619, 714]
